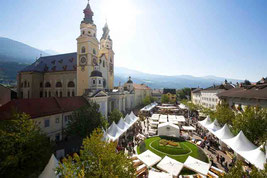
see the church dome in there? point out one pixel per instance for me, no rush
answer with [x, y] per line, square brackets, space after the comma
[129, 80]
[96, 73]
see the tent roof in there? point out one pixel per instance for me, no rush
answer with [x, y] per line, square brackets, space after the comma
[214, 126]
[149, 158]
[154, 174]
[255, 157]
[122, 125]
[114, 132]
[205, 122]
[180, 118]
[132, 116]
[49, 170]
[128, 120]
[168, 124]
[188, 128]
[224, 133]
[170, 165]
[197, 165]
[239, 143]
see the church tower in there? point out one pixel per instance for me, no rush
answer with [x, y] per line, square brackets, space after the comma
[87, 51]
[106, 49]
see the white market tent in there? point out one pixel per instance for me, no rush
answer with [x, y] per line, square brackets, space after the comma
[205, 122]
[49, 170]
[128, 120]
[154, 174]
[189, 128]
[168, 129]
[239, 143]
[197, 165]
[224, 133]
[180, 118]
[149, 158]
[123, 125]
[170, 165]
[182, 106]
[114, 132]
[214, 126]
[149, 107]
[255, 157]
[132, 116]
[163, 118]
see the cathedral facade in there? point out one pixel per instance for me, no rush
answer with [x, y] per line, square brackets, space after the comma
[89, 72]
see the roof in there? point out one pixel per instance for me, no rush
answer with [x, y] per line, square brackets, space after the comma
[168, 90]
[55, 63]
[197, 90]
[226, 86]
[140, 86]
[39, 107]
[96, 73]
[249, 92]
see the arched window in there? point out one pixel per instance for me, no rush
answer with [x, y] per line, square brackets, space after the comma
[58, 84]
[94, 52]
[83, 49]
[41, 84]
[25, 84]
[47, 85]
[71, 84]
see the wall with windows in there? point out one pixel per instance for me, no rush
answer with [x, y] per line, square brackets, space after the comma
[53, 125]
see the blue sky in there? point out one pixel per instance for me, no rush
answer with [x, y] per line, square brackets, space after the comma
[170, 37]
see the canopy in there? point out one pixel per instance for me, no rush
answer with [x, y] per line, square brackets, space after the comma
[128, 120]
[224, 133]
[180, 118]
[154, 174]
[163, 118]
[49, 170]
[149, 158]
[239, 143]
[214, 126]
[149, 107]
[132, 116]
[123, 125]
[114, 132]
[197, 165]
[255, 157]
[205, 122]
[182, 106]
[168, 129]
[170, 165]
[188, 128]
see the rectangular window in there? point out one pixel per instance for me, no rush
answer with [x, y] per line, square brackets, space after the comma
[58, 137]
[47, 123]
[93, 81]
[57, 120]
[41, 94]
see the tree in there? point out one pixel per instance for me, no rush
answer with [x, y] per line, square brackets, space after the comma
[253, 122]
[97, 159]
[148, 99]
[224, 114]
[115, 116]
[184, 93]
[247, 82]
[24, 149]
[237, 171]
[165, 99]
[84, 120]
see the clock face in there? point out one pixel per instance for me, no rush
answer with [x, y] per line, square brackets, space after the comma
[95, 61]
[83, 61]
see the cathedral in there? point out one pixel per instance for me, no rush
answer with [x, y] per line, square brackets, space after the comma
[89, 72]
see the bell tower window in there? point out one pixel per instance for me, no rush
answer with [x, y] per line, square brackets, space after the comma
[83, 49]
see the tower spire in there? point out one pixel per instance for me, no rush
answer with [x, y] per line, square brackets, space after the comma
[88, 14]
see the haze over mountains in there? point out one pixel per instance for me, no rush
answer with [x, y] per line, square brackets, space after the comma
[15, 55]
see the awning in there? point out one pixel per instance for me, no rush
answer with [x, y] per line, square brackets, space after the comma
[197, 165]
[170, 165]
[149, 158]
[49, 170]
[188, 128]
[224, 133]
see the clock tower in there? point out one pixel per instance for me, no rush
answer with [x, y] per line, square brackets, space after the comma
[87, 51]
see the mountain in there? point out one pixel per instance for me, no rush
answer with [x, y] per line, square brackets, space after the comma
[50, 52]
[15, 55]
[161, 81]
[14, 51]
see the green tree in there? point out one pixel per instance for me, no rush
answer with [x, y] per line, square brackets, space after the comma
[115, 116]
[97, 159]
[184, 93]
[253, 122]
[84, 120]
[224, 114]
[165, 98]
[24, 149]
[148, 99]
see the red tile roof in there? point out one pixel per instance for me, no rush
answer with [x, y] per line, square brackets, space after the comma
[42, 106]
[140, 86]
